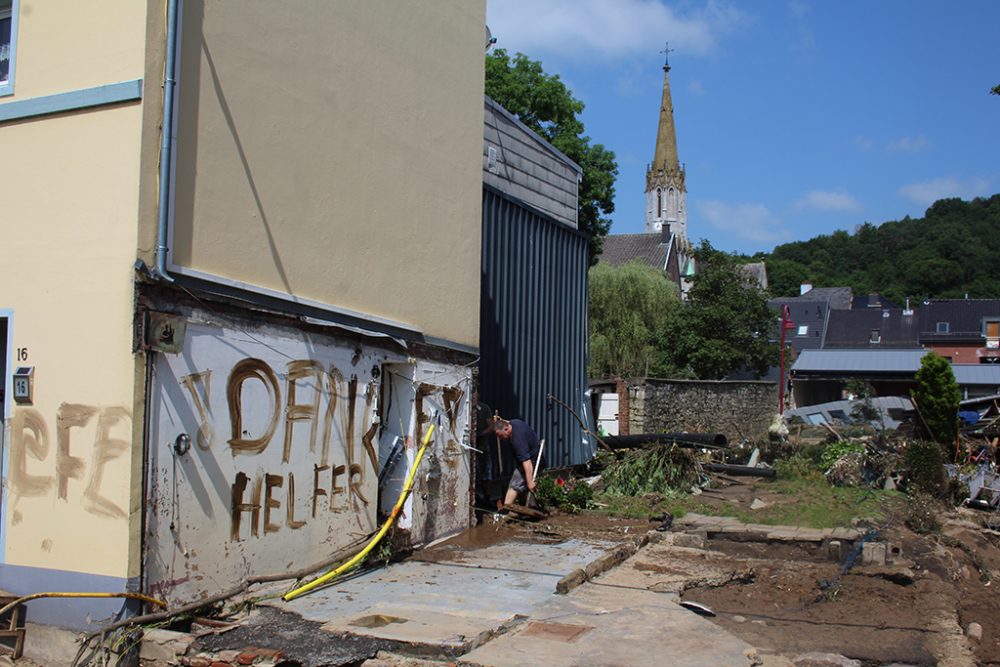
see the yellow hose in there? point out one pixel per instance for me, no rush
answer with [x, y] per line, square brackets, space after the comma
[319, 581]
[36, 596]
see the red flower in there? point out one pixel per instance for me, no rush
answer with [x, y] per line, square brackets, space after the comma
[560, 481]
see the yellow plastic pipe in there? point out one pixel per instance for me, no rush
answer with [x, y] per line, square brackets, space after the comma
[36, 596]
[407, 488]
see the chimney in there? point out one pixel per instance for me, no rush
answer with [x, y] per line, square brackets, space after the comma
[804, 288]
[874, 301]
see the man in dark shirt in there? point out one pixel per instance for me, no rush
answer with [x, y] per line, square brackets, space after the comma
[525, 445]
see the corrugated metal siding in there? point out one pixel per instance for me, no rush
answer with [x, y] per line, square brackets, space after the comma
[533, 324]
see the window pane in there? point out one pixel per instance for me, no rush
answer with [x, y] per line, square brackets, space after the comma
[5, 22]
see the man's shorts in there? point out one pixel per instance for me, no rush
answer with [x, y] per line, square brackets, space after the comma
[517, 481]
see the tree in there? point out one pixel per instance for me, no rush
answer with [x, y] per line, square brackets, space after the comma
[542, 102]
[937, 398]
[629, 306]
[726, 324]
[995, 90]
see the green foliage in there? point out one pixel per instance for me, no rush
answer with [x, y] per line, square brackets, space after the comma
[995, 90]
[654, 470]
[542, 102]
[569, 496]
[797, 466]
[839, 448]
[949, 252]
[628, 307]
[937, 398]
[924, 465]
[726, 323]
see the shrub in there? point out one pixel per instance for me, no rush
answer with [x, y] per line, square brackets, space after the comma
[838, 449]
[924, 464]
[569, 496]
[653, 470]
[797, 466]
[937, 398]
[921, 514]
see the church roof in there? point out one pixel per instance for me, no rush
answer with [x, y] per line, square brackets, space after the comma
[647, 248]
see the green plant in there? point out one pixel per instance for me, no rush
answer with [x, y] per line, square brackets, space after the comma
[839, 448]
[569, 496]
[653, 470]
[937, 398]
[797, 466]
[924, 464]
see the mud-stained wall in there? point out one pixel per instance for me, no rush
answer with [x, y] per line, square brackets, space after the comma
[285, 434]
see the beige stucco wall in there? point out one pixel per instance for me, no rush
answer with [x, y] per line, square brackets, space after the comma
[65, 45]
[69, 187]
[332, 152]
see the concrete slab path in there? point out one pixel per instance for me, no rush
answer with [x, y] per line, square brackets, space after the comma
[496, 606]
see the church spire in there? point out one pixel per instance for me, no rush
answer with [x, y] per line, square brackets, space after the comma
[665, 155]
[666, 190]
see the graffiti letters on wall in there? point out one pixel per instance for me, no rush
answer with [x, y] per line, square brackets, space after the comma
[43, 465]
[306, 411]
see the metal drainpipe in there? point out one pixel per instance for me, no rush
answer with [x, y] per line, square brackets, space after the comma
[166, 141]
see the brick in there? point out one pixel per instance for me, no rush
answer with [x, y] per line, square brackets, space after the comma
[246, 658]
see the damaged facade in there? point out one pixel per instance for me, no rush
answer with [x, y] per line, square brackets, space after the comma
[231, 330]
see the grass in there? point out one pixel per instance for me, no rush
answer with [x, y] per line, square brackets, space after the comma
[812, 503]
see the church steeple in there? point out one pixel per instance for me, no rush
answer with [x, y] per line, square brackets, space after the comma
[666, 190]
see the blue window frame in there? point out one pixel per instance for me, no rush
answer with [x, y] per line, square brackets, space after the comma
[8, 44]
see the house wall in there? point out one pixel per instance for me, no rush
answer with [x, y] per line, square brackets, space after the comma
[964, 354]
[288, 432]
[737, 409]
[331, 154]
[68, 187]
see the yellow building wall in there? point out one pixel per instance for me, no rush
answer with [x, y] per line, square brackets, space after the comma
[333, 153]
[69, 193]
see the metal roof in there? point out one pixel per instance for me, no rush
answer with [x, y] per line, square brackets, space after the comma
[860, 361]
[966, 374]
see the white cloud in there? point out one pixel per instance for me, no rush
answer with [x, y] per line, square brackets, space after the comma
[753, 222]
[928, 192]
[804, 40]
[696, 87]
[822, 200]
[863, 143]
[909, 144]
[601, 29]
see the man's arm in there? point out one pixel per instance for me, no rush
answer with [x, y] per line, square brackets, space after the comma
[529, 474]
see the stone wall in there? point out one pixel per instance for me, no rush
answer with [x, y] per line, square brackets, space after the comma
[740, 409]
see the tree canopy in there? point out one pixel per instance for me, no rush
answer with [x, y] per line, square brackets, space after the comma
[629, 307]
[542, 102]
[950, 252]
[726, 323]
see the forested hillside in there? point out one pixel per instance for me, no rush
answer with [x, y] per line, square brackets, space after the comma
[952, 251]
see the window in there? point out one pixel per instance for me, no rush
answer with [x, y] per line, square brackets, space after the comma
[942, 327]
[8, 43]
[875, 337]
[991, 328]
[803, 329]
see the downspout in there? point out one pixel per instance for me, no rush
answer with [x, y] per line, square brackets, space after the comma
[166, 141]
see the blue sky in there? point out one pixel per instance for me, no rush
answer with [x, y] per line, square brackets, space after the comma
[793, 118]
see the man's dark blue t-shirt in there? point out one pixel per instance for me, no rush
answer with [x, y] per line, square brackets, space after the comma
[523, 442]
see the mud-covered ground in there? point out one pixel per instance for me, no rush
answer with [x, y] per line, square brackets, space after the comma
[914, 610]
